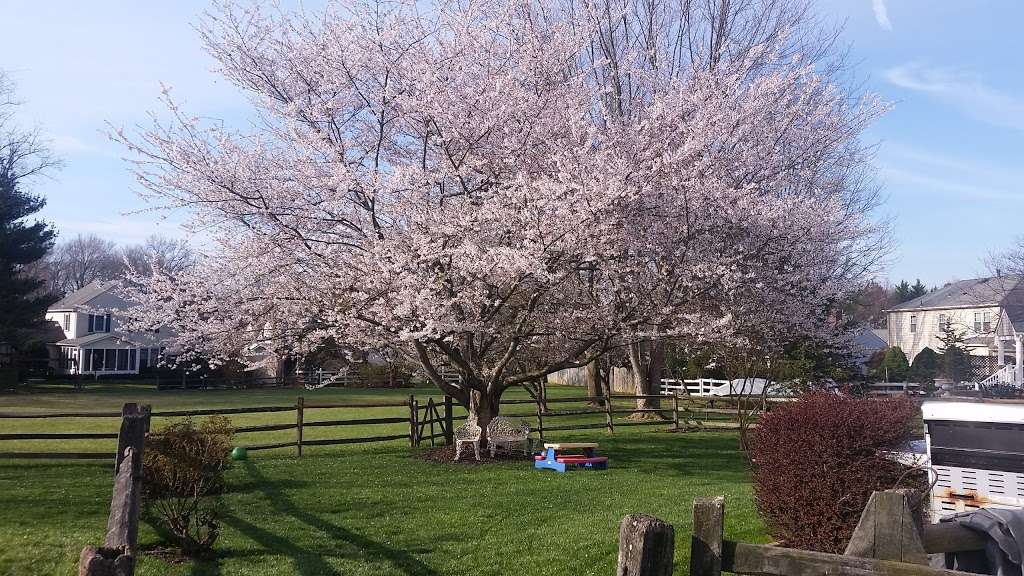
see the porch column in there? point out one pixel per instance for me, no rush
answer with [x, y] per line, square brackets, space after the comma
[1018, 374]
[1000, 351]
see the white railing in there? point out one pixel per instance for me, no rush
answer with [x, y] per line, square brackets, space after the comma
[701, 387]
[1005, 376]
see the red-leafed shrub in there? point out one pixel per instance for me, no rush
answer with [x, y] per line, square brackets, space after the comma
[817, 460]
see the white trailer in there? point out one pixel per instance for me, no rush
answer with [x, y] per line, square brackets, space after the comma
[976, 452]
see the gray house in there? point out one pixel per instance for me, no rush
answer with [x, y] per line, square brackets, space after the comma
[989, 312]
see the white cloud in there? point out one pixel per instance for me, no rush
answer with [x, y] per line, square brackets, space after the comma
[881, 14]
[964, 90]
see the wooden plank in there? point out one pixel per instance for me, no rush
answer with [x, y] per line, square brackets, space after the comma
[353, 422]
[270, 446]
[222, 411]
[264, 428]
[576, 427]
[887, 530]
[58, 436]
[706, 542]
[134, 427]
[566, 445]
[449, 428]
[298, 424]
[580, 412]
[633, 410]
[356, 440]
[765, 560]
[646, 546]
[356, 405]
[56, 455]
[123, 523]
[60, 414]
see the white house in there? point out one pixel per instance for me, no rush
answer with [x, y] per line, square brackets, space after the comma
[92, 342]
[989, 312]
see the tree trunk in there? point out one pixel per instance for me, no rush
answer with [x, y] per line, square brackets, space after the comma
[647, 360]
[483, 406]
[593, 384]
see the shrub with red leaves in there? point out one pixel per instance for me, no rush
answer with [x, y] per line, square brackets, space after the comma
[817, 460]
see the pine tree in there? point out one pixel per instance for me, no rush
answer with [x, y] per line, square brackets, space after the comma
[21, 244]
[955, 362]
[902, 292]
[918, 289]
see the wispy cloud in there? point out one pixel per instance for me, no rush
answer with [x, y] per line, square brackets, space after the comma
[964, 90]
[881, 14]
[925, 172]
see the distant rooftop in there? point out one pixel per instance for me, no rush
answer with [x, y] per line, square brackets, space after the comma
[993, 291]
[82, 296]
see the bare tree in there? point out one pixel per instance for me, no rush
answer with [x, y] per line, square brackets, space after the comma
[85, 258]
[166, 254]
[1010, 261]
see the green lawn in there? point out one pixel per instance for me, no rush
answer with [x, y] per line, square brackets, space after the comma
[370, 509]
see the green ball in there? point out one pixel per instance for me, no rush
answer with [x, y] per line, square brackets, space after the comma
[239, 453]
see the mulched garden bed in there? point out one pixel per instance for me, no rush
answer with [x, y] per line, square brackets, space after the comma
[446, 455]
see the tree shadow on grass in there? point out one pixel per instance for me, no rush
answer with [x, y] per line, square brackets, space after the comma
[307, 561]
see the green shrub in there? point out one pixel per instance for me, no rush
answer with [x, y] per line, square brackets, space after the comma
[925, 367]
[183, 471]
[895, 366]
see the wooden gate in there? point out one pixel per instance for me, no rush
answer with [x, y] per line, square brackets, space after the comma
[433, 421]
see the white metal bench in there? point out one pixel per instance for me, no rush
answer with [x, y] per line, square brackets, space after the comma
[508, 434]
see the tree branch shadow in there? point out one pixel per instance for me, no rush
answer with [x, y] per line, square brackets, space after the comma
[400, 559]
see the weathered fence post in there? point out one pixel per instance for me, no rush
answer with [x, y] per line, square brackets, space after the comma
[449, 431]
[706, 543]
[117, 555]
[608, 409]
[299, 418]
[414, 409]
[540, 418]
[646, 546]
[134, 426]
[675, 411]
[890, 529]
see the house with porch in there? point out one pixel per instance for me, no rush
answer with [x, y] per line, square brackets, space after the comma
[94, 342]
[989, 312]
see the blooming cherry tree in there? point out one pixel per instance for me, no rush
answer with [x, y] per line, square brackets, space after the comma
[499, 188]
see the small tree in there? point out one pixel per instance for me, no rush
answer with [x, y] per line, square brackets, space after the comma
[956, 362]
[925, 367]
[895, 366]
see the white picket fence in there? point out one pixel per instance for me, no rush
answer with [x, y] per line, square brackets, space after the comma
[700, 387]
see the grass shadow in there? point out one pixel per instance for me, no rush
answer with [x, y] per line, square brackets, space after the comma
[279, 500]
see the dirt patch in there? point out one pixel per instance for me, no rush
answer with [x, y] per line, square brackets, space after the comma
[168, 554]
[446, 455]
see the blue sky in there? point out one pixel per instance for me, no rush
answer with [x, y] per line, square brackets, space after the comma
[950, 155]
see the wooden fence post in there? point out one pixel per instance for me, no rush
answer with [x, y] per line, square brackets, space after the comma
[134, 427]
[449, 431]
[299, 418]
[706, 543]
[889, 529]
[414, 409]
[540, 418]
[608, 409]
[646, 546]
[675, 411]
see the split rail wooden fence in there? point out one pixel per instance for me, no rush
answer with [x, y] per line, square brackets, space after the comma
[427, 421]
[890, 540]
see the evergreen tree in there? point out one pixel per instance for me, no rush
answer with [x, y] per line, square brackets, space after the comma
[956, 362]
[21, 244]
[918, 289]
[895, 366]
[901, 292]
[925, 367]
